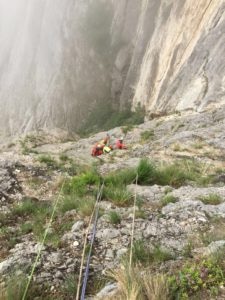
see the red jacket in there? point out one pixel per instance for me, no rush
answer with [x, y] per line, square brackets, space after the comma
[97, 150]
[120, 145]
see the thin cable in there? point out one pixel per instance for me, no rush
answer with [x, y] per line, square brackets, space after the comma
[132, 231]
[85, 240]
[42, 244]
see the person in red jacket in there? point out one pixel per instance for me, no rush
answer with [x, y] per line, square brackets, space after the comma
[120, 144]
[97, 150]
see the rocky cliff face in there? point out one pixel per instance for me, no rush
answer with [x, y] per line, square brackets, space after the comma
[176, 56]
[59, 59]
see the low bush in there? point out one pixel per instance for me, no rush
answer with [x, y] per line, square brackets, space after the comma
[30, 207]
[144, 255]
[48, 160]
[134, 284]
[176, 174]
[192, 278]
[147, 135]
[118, 195]
[147, 172]
[121, 177]
[80, 184]
[168, 199]
[114, 217]
[212, 199]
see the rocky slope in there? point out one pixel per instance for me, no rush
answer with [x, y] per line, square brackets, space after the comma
[59, 60]
[185, 220]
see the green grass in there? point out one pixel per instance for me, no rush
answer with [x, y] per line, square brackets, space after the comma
[175, 174]
[195, 277]
[126, 129]
[30, 207]
[84, 206]
[142, 254]
[15, 286]
[140, 214]
[104, 117]
[26, 207]
[212, 199]
[121, 177]
[68, 203]
[48, 160]
[114, 217]
[26, 228]
[147, 172]
[80, 184]
[147, 135]
[69, 287]
[168, 199]
[118, 195]
[63, 157]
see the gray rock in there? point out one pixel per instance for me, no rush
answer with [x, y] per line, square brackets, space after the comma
[107, 234]
[77, 226]
[109, 290]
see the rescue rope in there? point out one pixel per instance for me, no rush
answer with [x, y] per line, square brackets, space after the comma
[95, 212]
[42, 243]
[132, 231]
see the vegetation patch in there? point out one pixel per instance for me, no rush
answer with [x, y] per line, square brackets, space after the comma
[114, 217]
[134, 284]
[118, 195]
[48, 160]
[212, 199]
[193, 278]
[168, 199]
[146, 256]
[175, 175]
[82, 184]
[147, 135]
[104, 117]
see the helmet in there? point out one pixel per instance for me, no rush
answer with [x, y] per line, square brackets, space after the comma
[121, 138]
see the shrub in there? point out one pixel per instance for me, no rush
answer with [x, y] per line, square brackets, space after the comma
[79, 185]
[176, 147]
[86, 206]
[15, 287]
[83, 206]
[68, 203]
[168, 199]
[104, 117]
[27, 207]
[63, 157]
[26, 228]
[134, 284]
[69, 287]
[118, 195]
[140, 214]
[212, 199]
[143, 255]
[126, 129]
[205, 274]
[174, 175]
[48, 160]
[147, 135]
[114, 217]
[121, 178]
[147, 172]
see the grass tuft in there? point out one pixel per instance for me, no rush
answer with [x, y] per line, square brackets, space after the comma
[114, 217]
[168, 199]
[212, 199]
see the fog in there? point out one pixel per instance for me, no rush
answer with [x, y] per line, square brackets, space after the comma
[62, 60]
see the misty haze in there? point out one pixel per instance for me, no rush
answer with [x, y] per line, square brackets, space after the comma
[112, 146]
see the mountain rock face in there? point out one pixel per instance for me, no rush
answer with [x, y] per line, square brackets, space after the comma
[61, 59]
